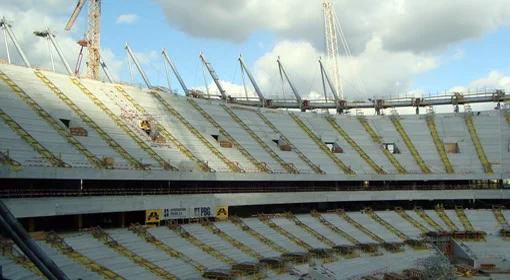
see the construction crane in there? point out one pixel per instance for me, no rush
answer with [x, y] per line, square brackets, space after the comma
[331, 40]
[92, 40]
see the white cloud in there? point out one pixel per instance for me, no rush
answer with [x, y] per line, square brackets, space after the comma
[127, 19]
[493, 80]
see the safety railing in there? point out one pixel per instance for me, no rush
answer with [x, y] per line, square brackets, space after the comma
[38, 147]
[310, 230]
[87, 120]
[169, 108]
[300, 154]
[355, 146]
[266, 219]
[259, 165]
[142, 232]
[288, 167]
[104, 237]
[232, 241]
[431, 124]
[243, 226]
[334, 228]
[411, 220]
[200, 244]
[341, 213]
[58, 243]
[377, 139]
[459, 210]
[372, 214]
[346, 169]
[412, 149]
[444, 217]
[165, 132]
[120, 123]
[428, 219]
[468, 117]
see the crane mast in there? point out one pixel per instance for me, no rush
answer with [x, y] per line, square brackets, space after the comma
[331, 41]
[93, 35]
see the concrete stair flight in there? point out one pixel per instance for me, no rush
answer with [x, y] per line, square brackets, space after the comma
[431, 124]
[412, 149]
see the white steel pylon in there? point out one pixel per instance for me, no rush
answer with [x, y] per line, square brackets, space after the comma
[331, 41]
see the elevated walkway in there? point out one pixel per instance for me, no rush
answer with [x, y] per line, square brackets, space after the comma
[468, 117]
[377, 139]
[331, 120]
[431, 124]
[287, 166]
[169, 108]
[120, 123]
[87, 120]
[412, 149]
[259, 165]
[346, 169]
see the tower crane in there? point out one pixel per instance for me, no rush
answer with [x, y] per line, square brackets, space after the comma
[330, 34]
[92, 40]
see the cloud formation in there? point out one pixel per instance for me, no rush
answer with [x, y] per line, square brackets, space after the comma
[126, 19]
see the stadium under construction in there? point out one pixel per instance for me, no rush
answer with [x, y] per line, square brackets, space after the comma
[109, 180]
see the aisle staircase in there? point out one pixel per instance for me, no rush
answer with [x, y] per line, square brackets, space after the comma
[232, 241]
[243, 226]
[200, 244]
[468, 117]
[104, 237]
[346, 169]
[262, 167]
[289, 168]
[50, 120]
[428, 219]
[119, 122]
[300, 154]
[459, 210]
[343, 215]
[7, 249]
[38, 147]
[6, 159]
[377, 139]
[385, 224]
[355, 146]
[442, 214]
[142, 232]
[87, 120]
[231, 165]
[266, 219]
[58, 243]
[310, 230]
[334, 228]
[165, 132]
[411, 220]
[500, 217]
[431, 124]
[412, 149]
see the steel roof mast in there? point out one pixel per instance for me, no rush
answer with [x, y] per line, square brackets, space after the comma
[8, 32]
[214, 76]
[253, 82]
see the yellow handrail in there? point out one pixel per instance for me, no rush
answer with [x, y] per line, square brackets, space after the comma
[346, 169]
[412, 149]
[431, 124]
[355, 146]
[478, 145]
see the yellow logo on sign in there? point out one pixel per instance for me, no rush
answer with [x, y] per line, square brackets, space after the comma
[152, 216]
[222, 212]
